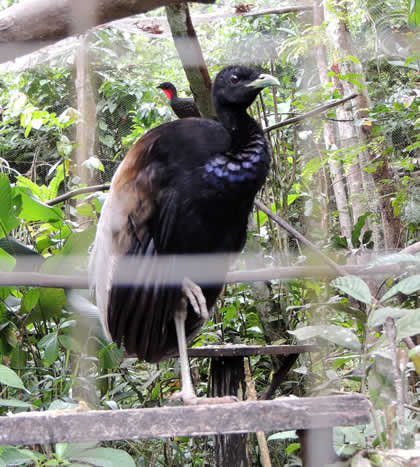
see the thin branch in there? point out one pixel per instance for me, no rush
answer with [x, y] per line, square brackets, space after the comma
[391, 334]
[279, 376]
[140, 23]
[317, 110]
[412, 407]
[282, 223]
[78, 191]
[252, 395]
[278, 11]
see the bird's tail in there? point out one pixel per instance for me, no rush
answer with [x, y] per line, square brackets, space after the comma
[86, 309]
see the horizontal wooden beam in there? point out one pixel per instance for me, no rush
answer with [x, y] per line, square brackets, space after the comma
[200, 420]
[35, 279]
[242, 350]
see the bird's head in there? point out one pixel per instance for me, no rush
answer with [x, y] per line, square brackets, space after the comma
[168, 88]
[239, 85]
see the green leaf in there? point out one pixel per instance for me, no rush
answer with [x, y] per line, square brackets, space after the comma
[110, 356]
[7, 225]
[73, 256]
[378, 317]
[407, 286]
[291, 198]
[51, 303]
[64, 146]
[72, 450]
[292, 447]
[367, 236]
[340, 242]
[353, 286]
[28, 129]
[19, 358]
[155, 392]
[35, 210]
[7, 262]
[105, 457]
[50, 345]
[336, 334]
[60, 449]
[352, 58]
[70, 343]
[15, 403]
[55, 182]
[5, 197]
[10, 378]
[357, 229]
[311, 167]
[30, 299]
[10, 335]
[28, 183]
[85, 210]
[14, 456]
[409, 325]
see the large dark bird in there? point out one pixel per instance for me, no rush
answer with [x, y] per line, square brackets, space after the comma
[185, 188]
[183, 107]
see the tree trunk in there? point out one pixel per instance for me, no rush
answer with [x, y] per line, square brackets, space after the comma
[189, 51]
[382, 177]
[86, 126]
[336, 172]
[33, 24]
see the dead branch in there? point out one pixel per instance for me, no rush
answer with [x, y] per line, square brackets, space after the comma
[133, 24]
[32, 24]
[317, 110]
[78, 191]
[279, 376]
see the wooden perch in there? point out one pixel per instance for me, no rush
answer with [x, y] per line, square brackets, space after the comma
[242, 350]
[32, 24]
[202, 420]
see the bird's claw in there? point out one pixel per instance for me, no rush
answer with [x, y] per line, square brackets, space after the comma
[195, 295]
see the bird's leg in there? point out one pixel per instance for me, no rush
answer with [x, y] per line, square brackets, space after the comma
[194, 294]
[187, 393]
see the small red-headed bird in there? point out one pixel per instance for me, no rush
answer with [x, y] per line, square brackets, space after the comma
[185, 188]
[183, 107]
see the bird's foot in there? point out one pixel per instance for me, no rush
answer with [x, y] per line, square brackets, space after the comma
[192, 399]
[195, 295]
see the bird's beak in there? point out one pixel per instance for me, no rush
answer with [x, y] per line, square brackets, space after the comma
[263, 81]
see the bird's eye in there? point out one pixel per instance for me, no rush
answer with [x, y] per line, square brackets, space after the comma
[234, 79]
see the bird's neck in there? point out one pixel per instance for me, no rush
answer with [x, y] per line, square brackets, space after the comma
[171, 93]
[241, 126]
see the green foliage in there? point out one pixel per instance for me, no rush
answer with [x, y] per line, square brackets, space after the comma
[49, 362]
